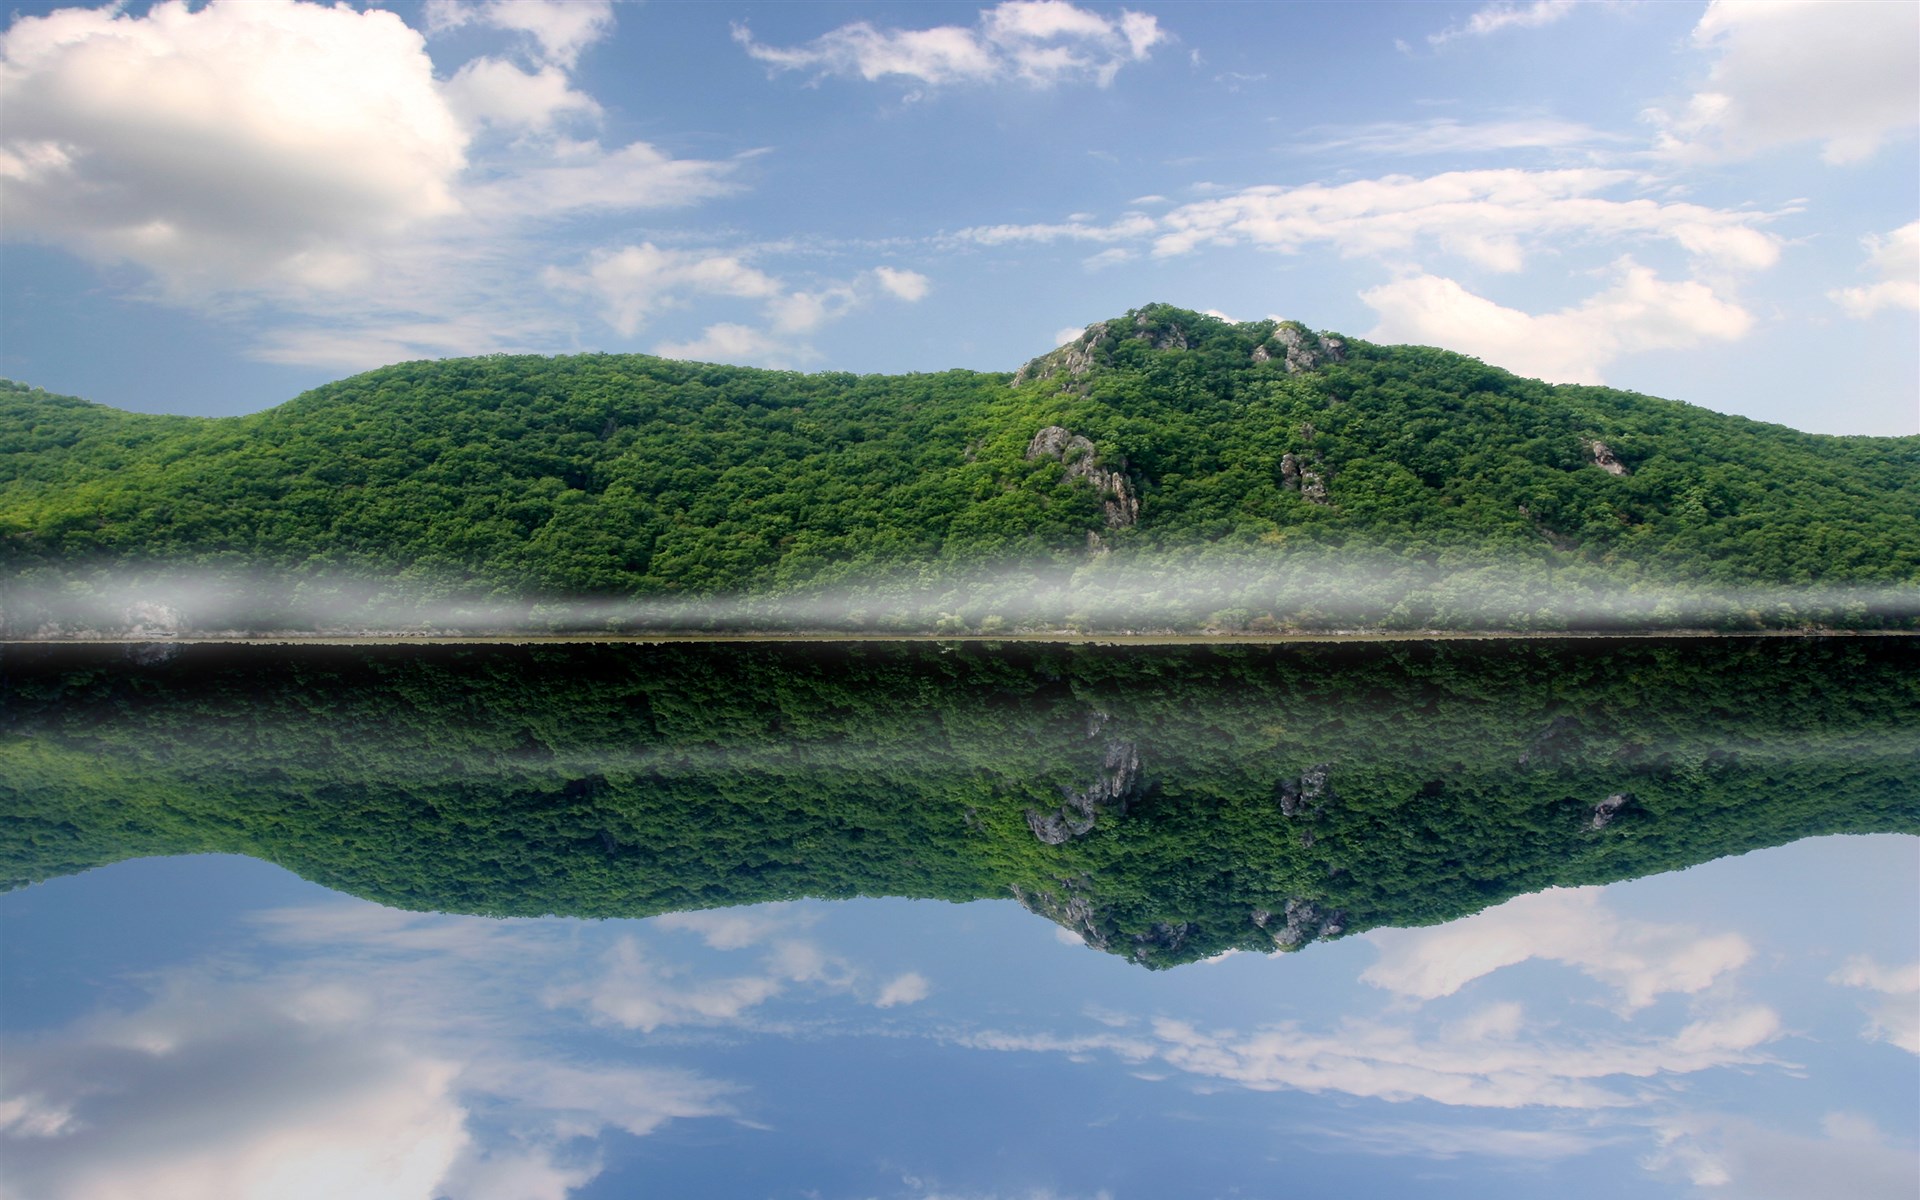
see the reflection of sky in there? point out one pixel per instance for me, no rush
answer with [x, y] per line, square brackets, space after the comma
[215, 1027]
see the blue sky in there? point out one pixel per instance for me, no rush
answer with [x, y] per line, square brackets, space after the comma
[208, 208]
[214, 1026]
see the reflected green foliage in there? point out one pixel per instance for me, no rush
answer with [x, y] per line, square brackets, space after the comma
[624, 475]
[1167, 803]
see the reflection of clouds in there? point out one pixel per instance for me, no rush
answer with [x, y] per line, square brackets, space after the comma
[390, 1058]
[1493, 1055]
[1897, 1018]
[1732, 1156]
[1638, 959]
[234, 1090]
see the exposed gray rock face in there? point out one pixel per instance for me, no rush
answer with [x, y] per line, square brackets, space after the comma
[1073, 360]
[1306, 796]
[1303, 922]
[1604, 459]
[1163, 936]
[1305, 476]
[1119, 502]
[1300, 349]
[1605, 811]
[1170, 338]
[1117, 784]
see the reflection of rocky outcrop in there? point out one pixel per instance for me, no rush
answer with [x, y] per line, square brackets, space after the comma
[1303, 921]
[1118, 500]
[1306, 796]
[1605, 811]
[1073, 909]
[1118, 783]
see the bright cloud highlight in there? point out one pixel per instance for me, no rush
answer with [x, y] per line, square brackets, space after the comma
[1787, 71]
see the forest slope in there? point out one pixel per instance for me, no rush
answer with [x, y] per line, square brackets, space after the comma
[1164, 436]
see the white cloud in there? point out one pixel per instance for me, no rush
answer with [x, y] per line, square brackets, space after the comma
[910, 988]
[1639, 960]
[1640, 312]
[734, 928]
[224, 145]
[1491, 218]
[1450, 136]
[1496, 17]
[1498, 1062]
[1486, 217]
[910, 286]
[1038, 42]
[560, 28]
[635, 281]
[300, 161]
[1410, 1139]
[492, 91]
[1843, 74]
[634, 992]
[1897, 1018]
[1896, 259]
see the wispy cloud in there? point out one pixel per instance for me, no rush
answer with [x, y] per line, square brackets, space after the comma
[1495, 18]
[1041, 43]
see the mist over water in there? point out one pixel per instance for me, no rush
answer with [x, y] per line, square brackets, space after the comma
[1132, 596]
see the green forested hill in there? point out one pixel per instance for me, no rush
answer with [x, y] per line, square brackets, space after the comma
[1180, 439]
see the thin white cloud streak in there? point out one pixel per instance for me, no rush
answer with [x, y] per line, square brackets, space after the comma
[1640, 312]
[1040, 43]
[1493, 1064]
[1450, 136]
[1791, 71]
[1495, 18]
[1896, 259]
[1639, 960]
[1490, 218]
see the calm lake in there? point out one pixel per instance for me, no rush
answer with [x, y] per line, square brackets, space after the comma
[1594, 917]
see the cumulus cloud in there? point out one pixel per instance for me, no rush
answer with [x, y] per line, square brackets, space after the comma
[1897, 1018]
[1640, 960]
[1896, 259]
[225, 145]
[492, 91]
[300, 160]
[1639, 312]
[1789, 71]
[638, 993]
[1037, 42]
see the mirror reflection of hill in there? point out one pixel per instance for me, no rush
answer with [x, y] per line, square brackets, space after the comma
[1166, 803]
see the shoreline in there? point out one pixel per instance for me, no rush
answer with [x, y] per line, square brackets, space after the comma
[1067, 637]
